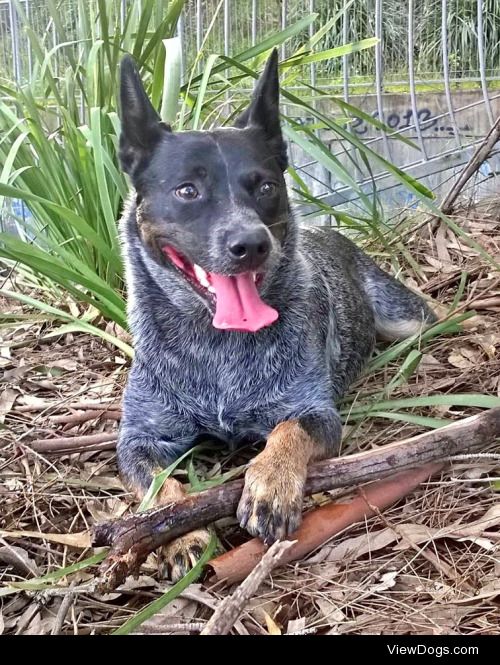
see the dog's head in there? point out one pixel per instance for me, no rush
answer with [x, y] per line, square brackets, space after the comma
[212, 206]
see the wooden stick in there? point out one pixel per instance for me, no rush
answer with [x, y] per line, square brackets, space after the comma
[485, 303]
[72, 444]
[228, 611]
[132, 539]
[473, 165]
[323, 523]
[60, 406]
[85, 416]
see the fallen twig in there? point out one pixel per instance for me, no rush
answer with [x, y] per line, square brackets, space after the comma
[473, 165]
[485, 303]
[168, 628]
[79, 418]
[73, 444]
[62, 406]
[64, 608]
[133, 538]
[228, 611]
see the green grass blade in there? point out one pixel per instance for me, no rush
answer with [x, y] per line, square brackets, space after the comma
[83, 228]
[410, 418]
[171, 80]
[80, 325]
[200, 99]
[160, 478]
[329, 54]
[46, 582]
[460, 399]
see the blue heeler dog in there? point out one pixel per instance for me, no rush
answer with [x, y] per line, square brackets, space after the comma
[246, 327]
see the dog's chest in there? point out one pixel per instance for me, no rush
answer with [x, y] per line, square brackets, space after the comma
[235, 388]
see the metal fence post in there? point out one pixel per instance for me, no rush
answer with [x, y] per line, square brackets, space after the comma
[446, 69]
[379, 72]
[14, 36]
[482, 64]
[411, 75]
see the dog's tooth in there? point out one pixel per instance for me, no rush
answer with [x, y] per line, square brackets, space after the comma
[211, 289]
[199, 272]
[254, 276]
[201, 275]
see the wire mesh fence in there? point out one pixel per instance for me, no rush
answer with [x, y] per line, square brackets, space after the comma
[434, 75]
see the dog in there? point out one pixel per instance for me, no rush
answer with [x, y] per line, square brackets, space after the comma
[246, 327]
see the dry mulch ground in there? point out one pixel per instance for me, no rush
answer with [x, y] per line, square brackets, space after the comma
[430, 565]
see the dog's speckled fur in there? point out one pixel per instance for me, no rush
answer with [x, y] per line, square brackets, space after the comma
[189, 379]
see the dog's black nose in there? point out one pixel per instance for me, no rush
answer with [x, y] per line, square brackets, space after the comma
[249, 248]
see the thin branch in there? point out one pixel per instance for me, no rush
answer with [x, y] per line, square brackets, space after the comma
[228, 611]
[132, 539]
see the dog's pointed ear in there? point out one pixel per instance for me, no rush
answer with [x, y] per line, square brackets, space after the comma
[264, 112]
[141, 126]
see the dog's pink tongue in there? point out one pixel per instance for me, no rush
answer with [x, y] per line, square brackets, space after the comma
[239, 306]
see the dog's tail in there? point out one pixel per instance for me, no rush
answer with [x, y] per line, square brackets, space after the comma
[399, 312]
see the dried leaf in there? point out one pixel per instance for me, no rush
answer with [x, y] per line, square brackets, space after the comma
[34, 401]
[490, 519]
[331, 614]
[69, 364]
[435, 263]
[441, 243]
[101, 511]
[387, 581]
[26, 617]
[82, 539]
[418, 533]
[413, 534]
[41, 624]
[474, 322]
[272, 626]
[18, 558]
[429, 362]
[7, 399]
[179, 609]
[351, 549]
[5, 352]
[464, 358]
[488, 343]
[296, 625]
[16, 373]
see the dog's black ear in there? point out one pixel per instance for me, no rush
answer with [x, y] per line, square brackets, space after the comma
[141, 126]
[263, 111]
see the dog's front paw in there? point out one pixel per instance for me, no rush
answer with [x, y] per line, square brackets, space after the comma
[271, 504]
[182, 554]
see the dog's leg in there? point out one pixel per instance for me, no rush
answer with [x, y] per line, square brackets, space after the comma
[271, 503]
[178, 557]
[139, 459]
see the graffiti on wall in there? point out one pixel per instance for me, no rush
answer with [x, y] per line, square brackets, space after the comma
[398, 121]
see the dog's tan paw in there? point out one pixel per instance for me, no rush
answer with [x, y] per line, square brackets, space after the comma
[271, 504]
[182, 554]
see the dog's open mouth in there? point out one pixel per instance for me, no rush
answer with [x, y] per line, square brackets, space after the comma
[238, 305]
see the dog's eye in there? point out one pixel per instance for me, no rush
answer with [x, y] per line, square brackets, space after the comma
[267, 189]
[187, 192]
